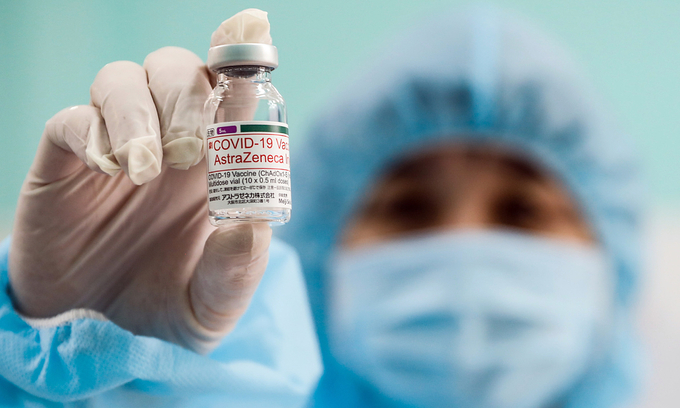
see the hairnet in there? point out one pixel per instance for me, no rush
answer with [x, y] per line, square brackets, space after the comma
[477, 76]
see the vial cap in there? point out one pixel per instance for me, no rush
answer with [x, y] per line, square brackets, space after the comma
[243, 54]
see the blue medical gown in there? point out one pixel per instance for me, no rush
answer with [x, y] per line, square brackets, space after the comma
[271, 358]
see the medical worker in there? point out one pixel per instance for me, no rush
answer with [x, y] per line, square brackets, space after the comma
[468, 223]
[117, 291]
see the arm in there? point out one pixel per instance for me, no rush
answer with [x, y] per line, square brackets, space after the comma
[271, 358]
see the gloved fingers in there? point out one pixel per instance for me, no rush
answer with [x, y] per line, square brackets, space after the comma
[79, 131]
[242, 102]
[226, 277]
[246, 26]
[120, 91]
[179, 84]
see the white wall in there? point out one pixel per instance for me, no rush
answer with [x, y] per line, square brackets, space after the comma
[659, 310]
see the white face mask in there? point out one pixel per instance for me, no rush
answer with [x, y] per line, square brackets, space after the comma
[485, 318]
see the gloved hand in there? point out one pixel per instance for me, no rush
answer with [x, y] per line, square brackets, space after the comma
[135, 246]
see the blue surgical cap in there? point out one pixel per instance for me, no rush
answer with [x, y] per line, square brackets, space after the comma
[480, 76]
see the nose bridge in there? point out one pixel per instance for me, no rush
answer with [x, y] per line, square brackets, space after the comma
[469, 202]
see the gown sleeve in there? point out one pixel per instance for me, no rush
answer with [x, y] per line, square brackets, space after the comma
[271, 358]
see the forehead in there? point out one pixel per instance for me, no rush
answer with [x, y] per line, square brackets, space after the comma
[461, 161]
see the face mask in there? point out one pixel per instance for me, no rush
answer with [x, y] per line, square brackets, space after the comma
[488, 318]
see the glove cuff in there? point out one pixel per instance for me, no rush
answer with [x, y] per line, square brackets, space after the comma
[63, 318]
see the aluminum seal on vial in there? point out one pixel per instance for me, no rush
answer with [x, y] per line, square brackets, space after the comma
[243, 54]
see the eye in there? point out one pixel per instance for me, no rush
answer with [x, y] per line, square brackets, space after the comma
[409, 210]
[518, 211]
[410, 206]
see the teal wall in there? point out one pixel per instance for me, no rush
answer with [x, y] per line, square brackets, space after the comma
[50, 51]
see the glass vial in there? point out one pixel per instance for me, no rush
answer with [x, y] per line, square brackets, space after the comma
[246, 138]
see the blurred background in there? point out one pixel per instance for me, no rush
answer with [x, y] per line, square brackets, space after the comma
[51, 52]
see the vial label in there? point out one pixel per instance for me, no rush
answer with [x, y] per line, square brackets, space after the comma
[248, 165]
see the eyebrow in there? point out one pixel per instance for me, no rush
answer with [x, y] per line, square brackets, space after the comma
[429, 163]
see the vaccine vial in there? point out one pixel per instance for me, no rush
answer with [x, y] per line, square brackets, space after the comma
[246, 134]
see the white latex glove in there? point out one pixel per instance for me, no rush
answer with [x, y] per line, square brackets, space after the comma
[136, 246]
